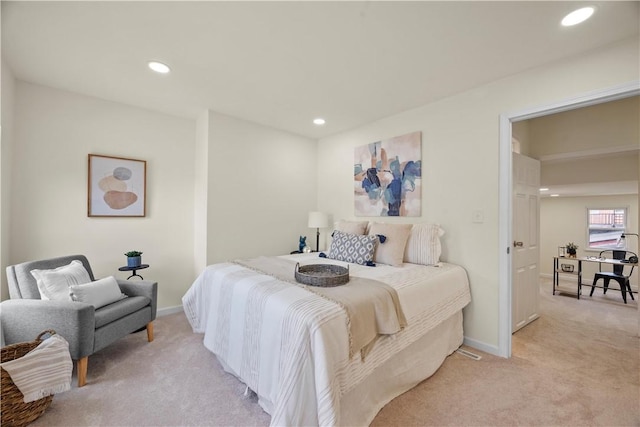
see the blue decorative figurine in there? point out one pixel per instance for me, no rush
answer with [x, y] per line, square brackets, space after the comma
[302, 244]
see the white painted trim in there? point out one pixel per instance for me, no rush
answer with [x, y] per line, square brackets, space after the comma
[169, 310]
[482, 346]
[504, 235]
[595, 97]
[621, 91]
[590, 153]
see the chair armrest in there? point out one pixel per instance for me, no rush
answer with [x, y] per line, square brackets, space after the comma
[24, 319]
[143, 288]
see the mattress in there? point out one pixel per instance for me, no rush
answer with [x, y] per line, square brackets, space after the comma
[291, 347]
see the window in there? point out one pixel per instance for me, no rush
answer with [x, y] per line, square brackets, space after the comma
[605, 227]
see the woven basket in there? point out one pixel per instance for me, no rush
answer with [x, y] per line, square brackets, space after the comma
[323, 275]
[567, 268]
[14, 411]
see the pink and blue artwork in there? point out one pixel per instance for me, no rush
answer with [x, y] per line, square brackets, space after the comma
[387, 177]
[117, 186]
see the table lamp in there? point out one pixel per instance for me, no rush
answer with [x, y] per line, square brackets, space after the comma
[318, 220]
[623, 237]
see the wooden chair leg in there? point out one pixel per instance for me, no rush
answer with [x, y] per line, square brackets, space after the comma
[82, 370]
[150, 331]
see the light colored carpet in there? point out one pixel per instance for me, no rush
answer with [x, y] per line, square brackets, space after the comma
[578, 365]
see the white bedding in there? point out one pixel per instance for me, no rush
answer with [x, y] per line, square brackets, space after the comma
[291, 346]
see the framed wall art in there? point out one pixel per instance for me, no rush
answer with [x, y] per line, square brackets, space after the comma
[388, 177]
[117, 186]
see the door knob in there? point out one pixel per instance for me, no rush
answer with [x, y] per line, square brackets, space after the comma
[516, 244]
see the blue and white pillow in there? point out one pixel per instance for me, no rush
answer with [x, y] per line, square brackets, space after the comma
[357, 249]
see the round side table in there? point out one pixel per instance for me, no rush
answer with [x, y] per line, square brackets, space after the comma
[134, 269]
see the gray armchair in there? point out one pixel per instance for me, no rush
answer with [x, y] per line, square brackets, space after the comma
[86, 329]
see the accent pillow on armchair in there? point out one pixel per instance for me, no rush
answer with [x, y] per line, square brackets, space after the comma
[90, 314]
[54, 284]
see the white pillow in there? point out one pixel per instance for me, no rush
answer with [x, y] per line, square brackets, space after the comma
[390, 250]
[423, 246]
[352, 227]
[54, 284]
[99, 293]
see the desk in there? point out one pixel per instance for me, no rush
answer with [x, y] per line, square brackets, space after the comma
[557, 271]
[134, 269]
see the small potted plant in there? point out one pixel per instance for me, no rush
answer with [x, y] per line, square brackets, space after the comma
[572, 249]
[134, 258]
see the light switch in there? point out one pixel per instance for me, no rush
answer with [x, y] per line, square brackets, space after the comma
[478, 216]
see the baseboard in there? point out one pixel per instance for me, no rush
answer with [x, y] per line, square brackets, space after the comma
[586, 282]
[487, 348]
[169, 310]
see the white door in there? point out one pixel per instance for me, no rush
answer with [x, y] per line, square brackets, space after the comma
[526, 238]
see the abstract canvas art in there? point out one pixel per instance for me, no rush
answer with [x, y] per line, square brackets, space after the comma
[387, 177]
[117, 186]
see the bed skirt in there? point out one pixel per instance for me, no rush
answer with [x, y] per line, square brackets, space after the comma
[401, 373]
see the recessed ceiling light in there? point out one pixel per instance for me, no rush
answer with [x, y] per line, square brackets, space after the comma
[544, 189]
[319, 121]
[577, 16]
[159, 67]
[554, 195]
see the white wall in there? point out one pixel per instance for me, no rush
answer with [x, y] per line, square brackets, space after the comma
[605, 169]
[262, 184]
[460, 140]
[201, 182]
[6, 138]
[218, 188]
[54, 131]
[611, 124]
[564, 219]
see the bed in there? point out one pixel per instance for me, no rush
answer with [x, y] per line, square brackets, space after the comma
[294, 347]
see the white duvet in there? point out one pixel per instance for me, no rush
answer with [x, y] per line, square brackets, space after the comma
[291, 346]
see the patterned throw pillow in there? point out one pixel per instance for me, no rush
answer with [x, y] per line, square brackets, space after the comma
[352, 248]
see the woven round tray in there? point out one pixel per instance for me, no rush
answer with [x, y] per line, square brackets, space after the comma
[324, 275]
[14, 411]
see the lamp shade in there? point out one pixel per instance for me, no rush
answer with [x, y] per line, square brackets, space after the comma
[318, 220]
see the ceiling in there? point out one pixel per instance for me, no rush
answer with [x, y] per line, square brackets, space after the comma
[281, 64]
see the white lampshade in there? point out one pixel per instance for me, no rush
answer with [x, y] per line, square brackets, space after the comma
[318, 220]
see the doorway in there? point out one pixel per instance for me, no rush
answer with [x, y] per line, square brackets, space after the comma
[506, 187]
